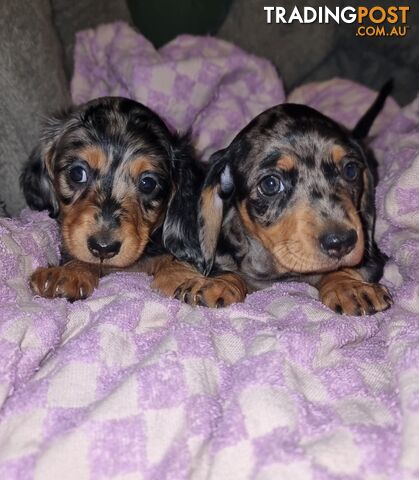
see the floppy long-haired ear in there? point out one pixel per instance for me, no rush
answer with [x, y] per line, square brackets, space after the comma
[374, 260]
[216, 192]
[180, 231]
[36, 177]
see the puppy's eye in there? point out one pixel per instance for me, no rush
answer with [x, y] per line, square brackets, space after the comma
[271, 185]
[350, 171]
[78, 174]
[147, 184]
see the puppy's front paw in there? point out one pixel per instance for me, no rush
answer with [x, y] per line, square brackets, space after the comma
[213, 292]
[71, 283]
[345, 292]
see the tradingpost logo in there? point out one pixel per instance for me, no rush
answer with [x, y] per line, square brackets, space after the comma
[372, 21]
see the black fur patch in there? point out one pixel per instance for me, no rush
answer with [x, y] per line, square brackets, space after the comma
[329, 171]
[315, 194]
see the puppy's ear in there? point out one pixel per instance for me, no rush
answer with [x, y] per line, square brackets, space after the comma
[374, 260]
[36, 177]
[180, 231]
[217, 191]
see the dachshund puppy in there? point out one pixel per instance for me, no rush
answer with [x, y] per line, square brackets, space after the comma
[292, 198]
[117, 181]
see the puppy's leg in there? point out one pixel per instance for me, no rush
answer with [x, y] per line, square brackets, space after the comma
[184, 282]
[345, 291]
[74, 280]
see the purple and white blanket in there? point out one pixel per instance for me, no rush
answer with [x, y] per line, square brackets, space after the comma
[130, 385]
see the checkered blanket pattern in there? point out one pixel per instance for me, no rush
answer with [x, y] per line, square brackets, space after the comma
[130, 385]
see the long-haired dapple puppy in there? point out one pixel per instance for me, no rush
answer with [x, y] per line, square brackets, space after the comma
[292, 198]
[118, 183]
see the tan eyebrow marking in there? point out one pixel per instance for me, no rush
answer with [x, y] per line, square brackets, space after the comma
[140, 165]
[95, 157]
[286, 162]
[338, 153]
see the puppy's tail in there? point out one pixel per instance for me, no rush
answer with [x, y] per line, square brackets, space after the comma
[364, 124]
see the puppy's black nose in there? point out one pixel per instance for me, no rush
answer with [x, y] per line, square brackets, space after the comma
[338, 243]
[102, 248]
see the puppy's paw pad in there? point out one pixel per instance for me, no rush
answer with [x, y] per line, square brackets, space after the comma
[54, 282]
[355, 297]
[209, 292]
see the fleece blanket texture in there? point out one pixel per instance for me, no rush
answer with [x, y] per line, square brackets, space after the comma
[130, 385]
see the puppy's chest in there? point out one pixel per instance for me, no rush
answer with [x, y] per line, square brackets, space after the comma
[241, 253]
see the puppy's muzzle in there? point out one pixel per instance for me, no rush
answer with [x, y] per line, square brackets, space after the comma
[103, 248]
[338, 243]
